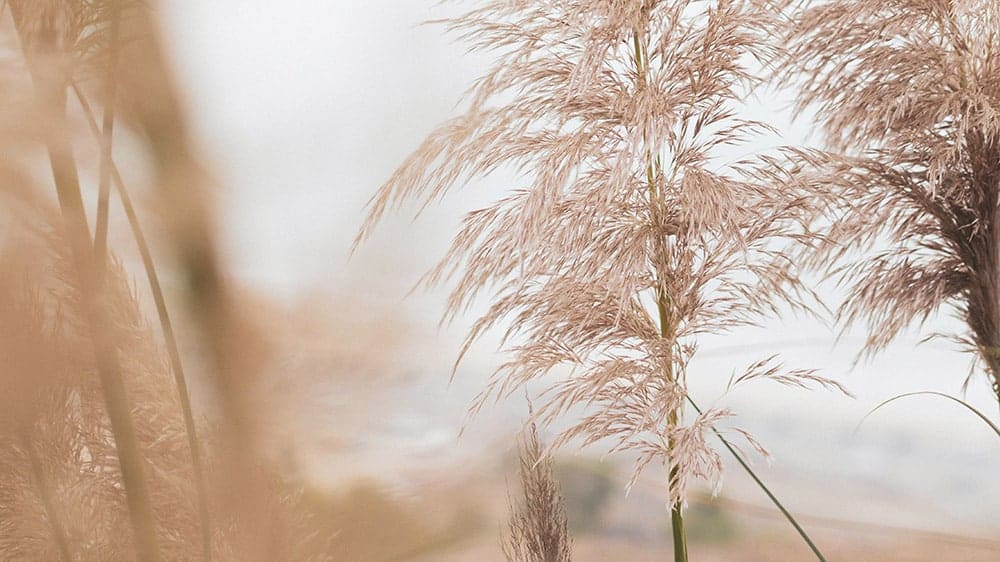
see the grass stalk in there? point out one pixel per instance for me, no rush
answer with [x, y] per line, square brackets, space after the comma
[666, 333]
[107, 137]
[51, 88]
[108, 367]
[166, 325]
[760, 483]
[676, 512]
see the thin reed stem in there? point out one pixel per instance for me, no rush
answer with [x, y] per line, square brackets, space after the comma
[51, 88]
[760, 483]
[167, 327]
[108, 367]
[107, 136]
[959, 401]
[184, 206]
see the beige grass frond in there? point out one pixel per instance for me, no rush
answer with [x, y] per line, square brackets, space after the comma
[629, 237]
[908, 96]
[538, 530]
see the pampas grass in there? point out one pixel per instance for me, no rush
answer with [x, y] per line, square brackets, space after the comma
[629, 239]
[64, 447]
[906, 93]
[49, 31]
[101, 460]
[538, 530]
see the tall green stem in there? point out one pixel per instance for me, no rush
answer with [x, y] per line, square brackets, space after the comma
[666, 329]
[676, 514]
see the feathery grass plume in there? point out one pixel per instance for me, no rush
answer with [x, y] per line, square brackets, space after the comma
[32, 376]
[61, 496]
[630, 238]
[60, 454]
[538, 528]
[908, 95]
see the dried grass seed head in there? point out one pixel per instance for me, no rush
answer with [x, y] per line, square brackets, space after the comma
[617, 112]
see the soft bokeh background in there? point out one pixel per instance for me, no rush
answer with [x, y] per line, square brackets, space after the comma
[305, 108]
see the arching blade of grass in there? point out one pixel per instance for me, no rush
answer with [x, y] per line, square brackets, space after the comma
[168, 330]
[51, 91]
[232, 348]
[107, 137]
[968, 406]
[760, 483]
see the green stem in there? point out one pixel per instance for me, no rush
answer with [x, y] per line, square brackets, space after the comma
[166, 325]
[666, 333]
[762, 486]
[676, 513]
[677, 526]
[963, 403]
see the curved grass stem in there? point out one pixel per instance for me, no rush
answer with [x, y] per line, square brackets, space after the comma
[166, 326]
[966, 405]
[760, 483]
[107, 138]
[50, 88]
